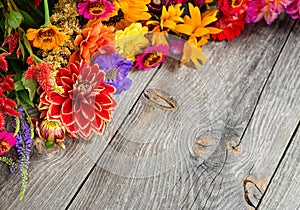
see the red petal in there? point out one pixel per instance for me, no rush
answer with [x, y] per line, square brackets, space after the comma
[67, 107]
[86, 133]
[57, 99]
[54, 111]
[81, 121]
[88, 112]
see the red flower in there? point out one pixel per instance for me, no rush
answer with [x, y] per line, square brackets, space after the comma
[3, 62]
[12, 41]
[42, 72]
[232, 6]
[7, 107]
[232, 26]
[86, 104]
[36, 3]
[7, 83]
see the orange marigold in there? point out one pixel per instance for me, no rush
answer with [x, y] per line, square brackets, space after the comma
[94, 36]
[46, 38]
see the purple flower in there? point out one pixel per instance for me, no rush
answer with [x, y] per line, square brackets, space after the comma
[116, 69]
[23, 145]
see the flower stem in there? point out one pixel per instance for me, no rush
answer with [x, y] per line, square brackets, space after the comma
[47, 16]
[10, 162]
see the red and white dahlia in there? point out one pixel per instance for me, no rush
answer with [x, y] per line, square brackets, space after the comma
[86, 104]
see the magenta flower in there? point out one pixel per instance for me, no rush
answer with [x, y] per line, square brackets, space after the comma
[267, 9]
[91, 9]
[152, 56]
[7, 141]
[294, 9]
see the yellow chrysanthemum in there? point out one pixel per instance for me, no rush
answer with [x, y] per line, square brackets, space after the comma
[195, 26]
[130, 11]
[131, 41]
[46, 38]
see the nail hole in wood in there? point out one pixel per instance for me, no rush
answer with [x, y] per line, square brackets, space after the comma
[160, 99]
[234, 146]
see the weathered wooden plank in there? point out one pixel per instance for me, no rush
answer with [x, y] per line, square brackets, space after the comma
[55, 178]
[178, 157]
[284, 191]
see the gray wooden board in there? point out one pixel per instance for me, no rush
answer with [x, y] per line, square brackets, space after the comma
[55, 178]
[284, 191]
[187, 155]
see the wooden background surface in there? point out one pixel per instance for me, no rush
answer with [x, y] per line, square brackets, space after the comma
[225, 136]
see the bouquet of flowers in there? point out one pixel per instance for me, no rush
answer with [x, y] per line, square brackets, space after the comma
[61, 62]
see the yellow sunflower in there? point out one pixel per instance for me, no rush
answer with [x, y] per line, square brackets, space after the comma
[46, 38]
[129, 11]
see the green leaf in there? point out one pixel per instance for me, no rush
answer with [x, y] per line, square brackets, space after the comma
[31, 86]
[24, 96]
[1, 4]
[49, 144]
[19, 85]
[27, 44]
[14, 19]
[21, 46]
[28, 20]
[7, 28]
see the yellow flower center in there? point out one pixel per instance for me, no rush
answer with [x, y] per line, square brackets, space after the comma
[158, 2]
[112, 74]
[83, 86]
[236, 3]
[4, 147]
[96, 8]
[152, 59]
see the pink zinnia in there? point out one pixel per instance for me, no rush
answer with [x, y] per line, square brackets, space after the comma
[267, 9]
[91, 9]
[152, 56]
[294, 9]
[7, 141]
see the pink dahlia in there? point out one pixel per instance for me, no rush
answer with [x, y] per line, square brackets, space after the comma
[91, 9]
[152, 56]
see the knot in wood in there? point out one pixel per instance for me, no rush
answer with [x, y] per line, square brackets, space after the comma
[253, 191]
[204, 145]
[160, 99]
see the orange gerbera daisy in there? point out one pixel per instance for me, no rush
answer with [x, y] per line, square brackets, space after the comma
[93, 37]
[46, 38]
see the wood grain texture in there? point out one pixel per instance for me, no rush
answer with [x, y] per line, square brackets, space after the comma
[55, 178]
[284, 191]
[191, 157]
